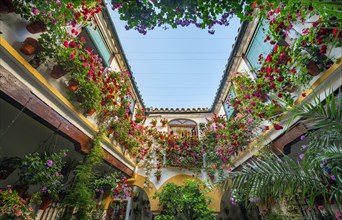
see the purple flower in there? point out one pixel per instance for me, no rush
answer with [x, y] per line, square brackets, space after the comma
[48, 175]
[56, 173]
[302, 137]
[301, 156]
[49, 163]
[253, 199]
[35, 11]
[333, 177]
[304, 146]
[44, 189]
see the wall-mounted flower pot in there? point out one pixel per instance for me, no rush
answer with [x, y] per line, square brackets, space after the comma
[212, 177]
[57, 71]
[158, 178]
[46, 201]
[263, 97]
[90, 112]
[312, 68]
[72, 85]
[110, 131]
[289, 87]
[6, 6]
[35, 27]
[30, 46]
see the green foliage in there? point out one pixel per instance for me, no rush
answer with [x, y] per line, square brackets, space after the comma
[109, 181]
[14, 207]
[319, 171]
[184, 202]
[56, 13]
[43, 169]
[146, 15]
[81, 194]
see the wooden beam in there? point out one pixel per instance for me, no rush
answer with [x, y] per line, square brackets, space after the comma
[279, 144]
[116, 163]
[21, 95]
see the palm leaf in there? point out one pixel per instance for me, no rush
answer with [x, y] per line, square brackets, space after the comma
[320, 115]
[273, 178]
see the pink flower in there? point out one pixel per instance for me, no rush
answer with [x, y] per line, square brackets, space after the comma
[66, 44]
[305, 31]
[49, 163]
[278, 127]
[35, 11]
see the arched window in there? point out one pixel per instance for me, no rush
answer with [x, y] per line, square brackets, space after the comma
[183, 127]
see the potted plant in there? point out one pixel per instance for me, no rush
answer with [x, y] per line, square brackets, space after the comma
[53, 14]
[139, 116]
[157, 174]
[164, 122]
[13, 206]
[43, 170]
[154, 122]
[30, 46]
[107, 182]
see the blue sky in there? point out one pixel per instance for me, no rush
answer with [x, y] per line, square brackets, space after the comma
[177, 68]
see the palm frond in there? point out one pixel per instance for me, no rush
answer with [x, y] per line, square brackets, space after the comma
[319, 115]
[275, 177]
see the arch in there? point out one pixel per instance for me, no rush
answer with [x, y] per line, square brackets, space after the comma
[188, 125]
[215, 195]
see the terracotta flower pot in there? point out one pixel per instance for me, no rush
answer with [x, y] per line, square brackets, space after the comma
[6, 6]
[90, 112]
[263, 97]
[110, 130]
[30, 46]
[45, 203]
[212, 177]
[57, 71]
[35, 27]
[158, 178]
[72, 85]
[312, 68]
[288, 87]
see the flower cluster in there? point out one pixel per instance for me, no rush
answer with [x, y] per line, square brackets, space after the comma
[56, 13]
[44, 169]
[14, 207]
[123, 191]
[144, 16]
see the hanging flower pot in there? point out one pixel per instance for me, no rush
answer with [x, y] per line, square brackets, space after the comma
[72, 85]
[90, 112]
[6, 6]
[46, 201]
[58, 71]
[312, 68]
[35, 27]
[30, 46]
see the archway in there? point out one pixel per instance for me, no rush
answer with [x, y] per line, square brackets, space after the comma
[215, 195]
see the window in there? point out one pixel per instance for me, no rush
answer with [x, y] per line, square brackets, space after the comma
[226, 105]
[183, 127]
[100, 44]
[258, 46]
